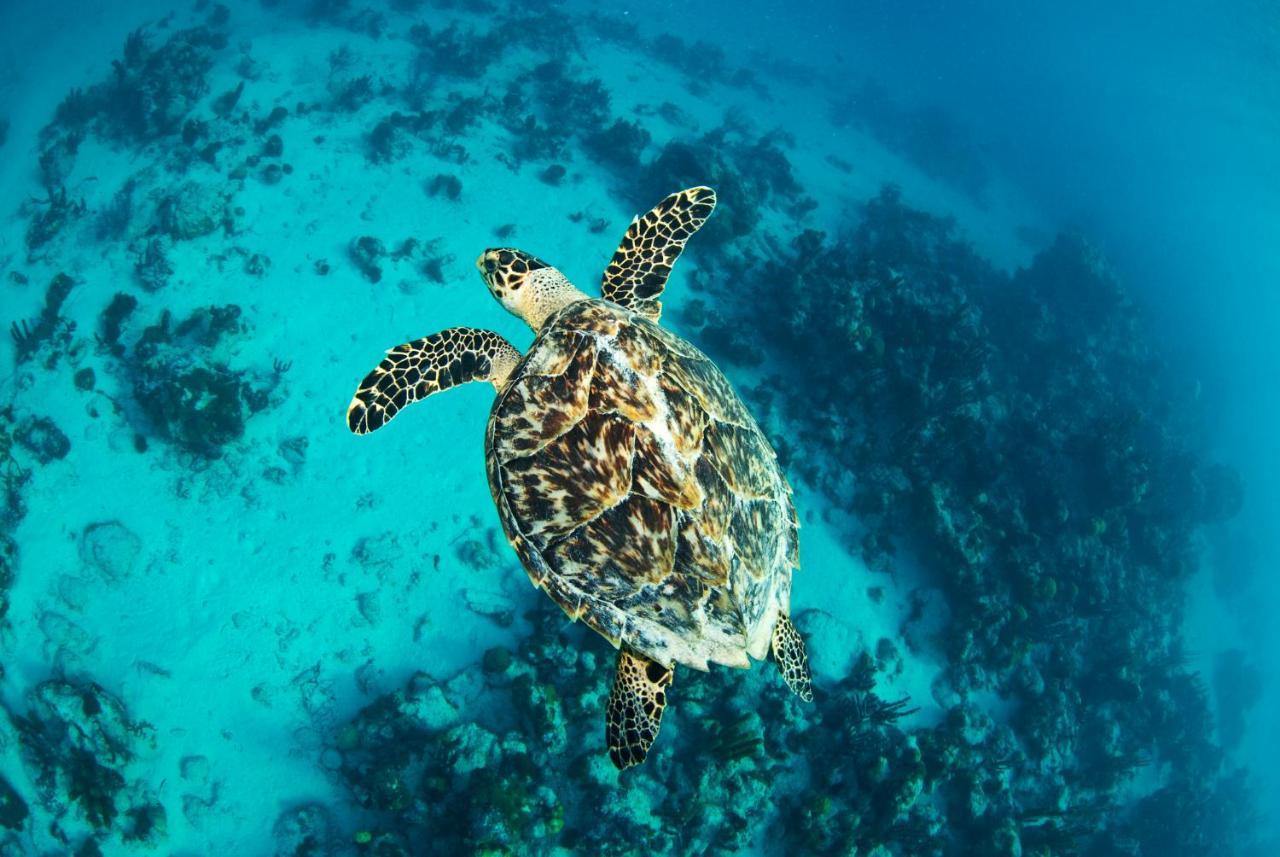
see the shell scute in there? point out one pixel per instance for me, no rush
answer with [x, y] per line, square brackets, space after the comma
[757, 530]
[701, 556]
[616, 388]
[743, 458]
[687, 418]
[640, 348]
[538, 408]
[701, 379]
[597, 317]
[559, 350]
[572, 479]
[657, 476]
[625, 548]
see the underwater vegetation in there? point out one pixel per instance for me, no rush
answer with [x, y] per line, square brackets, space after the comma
[1013, 435]
[78, 741]
[427, 771]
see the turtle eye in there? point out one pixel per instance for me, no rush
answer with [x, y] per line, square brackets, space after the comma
[490, 266]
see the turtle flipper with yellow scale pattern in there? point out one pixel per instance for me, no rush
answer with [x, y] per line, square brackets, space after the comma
[631, 480]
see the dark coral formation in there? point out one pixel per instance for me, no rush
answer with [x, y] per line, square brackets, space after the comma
[14, 479]
[153, 268]
[58, 213]
[425, 769]
[396, 134]
[620, 146]
[112, 321]
[512, 763]
[185, 390]
[150, 94]
[8, 564]
[77, 740]
[13, 809]
[1018, 434]
[751, 171]
[452, 51]
[48, 334]
[114, 219]
[200, 405]
[446, 185]
[151, 91]
[194, 209]
[40, 436]
[367, 254]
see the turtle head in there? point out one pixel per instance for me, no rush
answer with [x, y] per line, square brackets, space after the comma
[527, 286]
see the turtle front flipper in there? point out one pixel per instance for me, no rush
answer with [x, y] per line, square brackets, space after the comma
[789, 652]
[419, 368]
[638, 272]
[635, 708]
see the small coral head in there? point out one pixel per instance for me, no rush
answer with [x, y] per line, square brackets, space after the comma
[527, 286]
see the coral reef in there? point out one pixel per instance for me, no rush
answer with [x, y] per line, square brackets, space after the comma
[59, 212]
[150, 92]
[845, 776]
[751, 170]
[619, 146]
[49, 332]
[452, 51]
[41, 437]
[367, 254]
[448, 186]
[553, 174]
[13, 809]
[195, 209]
[76, 739]
[1015, 431]
[306, 829]
[8, 558]
[181, 382]
[114, 219]
[198, 405]
[153, 268]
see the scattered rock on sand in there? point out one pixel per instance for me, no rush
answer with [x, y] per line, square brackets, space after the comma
[111, 549]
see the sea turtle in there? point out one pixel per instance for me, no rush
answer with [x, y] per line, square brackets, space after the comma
[632, 482]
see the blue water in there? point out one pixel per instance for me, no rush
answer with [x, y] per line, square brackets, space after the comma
[996, 280]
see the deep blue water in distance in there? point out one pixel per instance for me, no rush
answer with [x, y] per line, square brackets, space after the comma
[997, 281]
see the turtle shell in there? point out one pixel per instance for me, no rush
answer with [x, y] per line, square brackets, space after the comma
[638, 491]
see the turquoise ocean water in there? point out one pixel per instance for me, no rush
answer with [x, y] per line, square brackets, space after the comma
[998, 281]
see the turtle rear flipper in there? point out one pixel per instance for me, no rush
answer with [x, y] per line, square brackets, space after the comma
[417, 369]
[638, 272]
[635, 708]
[789, 652]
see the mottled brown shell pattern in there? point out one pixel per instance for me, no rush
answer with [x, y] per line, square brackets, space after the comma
[639, 492]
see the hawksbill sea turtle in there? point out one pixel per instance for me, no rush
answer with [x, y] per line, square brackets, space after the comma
[635, 487]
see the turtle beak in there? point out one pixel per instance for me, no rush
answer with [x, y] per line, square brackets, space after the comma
[487, 264]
